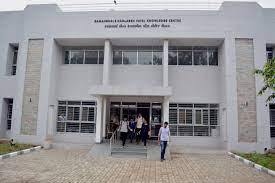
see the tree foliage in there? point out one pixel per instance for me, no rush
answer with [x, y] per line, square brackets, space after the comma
[268, 75]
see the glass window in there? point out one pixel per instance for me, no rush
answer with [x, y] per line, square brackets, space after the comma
[77, 57]
[189, 115]
[157, 57]
[117, 57]
[173, 116]
[198, 116]
[9, 113]
[269, 53]
[172, 58]
[182, 116]
[101, 56]
[185, 124]
[91, 57]
[84, 123]
[200, 57]
[213, 117]
[145, 57]
[129, 57]
[185, 57]
[213, 57]
[205, 117]
[67, 57]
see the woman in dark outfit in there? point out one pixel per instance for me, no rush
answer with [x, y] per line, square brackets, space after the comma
[145, 132]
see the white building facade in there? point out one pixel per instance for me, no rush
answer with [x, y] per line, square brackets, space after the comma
[68, 77]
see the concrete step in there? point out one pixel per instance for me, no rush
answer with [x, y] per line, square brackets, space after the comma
[129, 151]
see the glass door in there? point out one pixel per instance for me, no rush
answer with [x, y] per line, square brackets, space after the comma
[155, 119]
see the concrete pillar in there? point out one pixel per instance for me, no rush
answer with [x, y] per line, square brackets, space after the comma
[104, 117]
[165, 109]
[107, 62]
[50, 128]
[230, 91]
[98, 135]
[165, 64]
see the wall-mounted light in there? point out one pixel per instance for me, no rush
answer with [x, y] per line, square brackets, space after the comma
[30, 99]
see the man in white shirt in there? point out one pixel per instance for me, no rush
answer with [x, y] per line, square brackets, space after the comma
[163, 137]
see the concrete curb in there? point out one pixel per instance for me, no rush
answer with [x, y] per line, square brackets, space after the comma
[25, 151]
[252, 164]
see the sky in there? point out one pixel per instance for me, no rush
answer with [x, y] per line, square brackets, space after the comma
[9, 5]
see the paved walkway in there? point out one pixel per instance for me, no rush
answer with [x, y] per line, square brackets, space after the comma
[79, 166]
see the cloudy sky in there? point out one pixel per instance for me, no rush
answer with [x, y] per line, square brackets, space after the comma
[7, 5]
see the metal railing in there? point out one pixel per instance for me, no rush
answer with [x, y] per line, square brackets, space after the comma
[113, 139]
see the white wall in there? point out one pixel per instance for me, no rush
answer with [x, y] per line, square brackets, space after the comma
[74, 81]
[195, 84]
[136, 75]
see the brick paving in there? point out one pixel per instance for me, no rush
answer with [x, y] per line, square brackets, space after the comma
[79, 166]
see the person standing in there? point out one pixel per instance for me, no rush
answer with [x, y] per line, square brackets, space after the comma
[123, 131]
[145, 133]
[163, 137]
[139, 121]
[132, 128]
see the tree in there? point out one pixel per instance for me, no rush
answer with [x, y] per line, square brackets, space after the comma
[268, 74]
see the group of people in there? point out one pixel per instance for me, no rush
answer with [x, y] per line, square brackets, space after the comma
[140, 129]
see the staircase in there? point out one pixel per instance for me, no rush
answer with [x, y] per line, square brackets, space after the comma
[129, 151]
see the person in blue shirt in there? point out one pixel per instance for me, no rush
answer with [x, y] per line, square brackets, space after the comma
[132, 127]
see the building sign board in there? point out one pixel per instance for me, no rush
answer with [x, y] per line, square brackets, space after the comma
[138, 23]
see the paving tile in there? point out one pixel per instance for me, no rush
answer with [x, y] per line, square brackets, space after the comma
[79, 166]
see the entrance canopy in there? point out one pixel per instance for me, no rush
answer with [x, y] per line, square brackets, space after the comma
[130, 90]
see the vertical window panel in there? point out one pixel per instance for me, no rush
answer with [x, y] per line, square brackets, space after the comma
[198, 116]
[67, 57]
[157, 57]
[189, 116]
[173, 116]
[172, 58]
[145, 57]
[101, 57]
[117, 57]
[205, 117]
[213, 117]
[77, 57]
[213, 57]
[91, 57]
[182, 116]
[129, 57]
[200, 57]
[173, 130]
[185, 58]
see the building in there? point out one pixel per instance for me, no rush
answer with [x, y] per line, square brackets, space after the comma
[67, 77]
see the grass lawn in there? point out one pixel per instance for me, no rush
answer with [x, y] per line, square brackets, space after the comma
[6, 148]
[267, 161]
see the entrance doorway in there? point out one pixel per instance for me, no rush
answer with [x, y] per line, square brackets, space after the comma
[151, 112]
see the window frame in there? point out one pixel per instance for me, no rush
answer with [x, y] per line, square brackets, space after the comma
[79, 121]
[9, 113]
[272, 126]
[84, 56]
[14, 61]
[178, 124]
[194, 49]
[152, 50]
